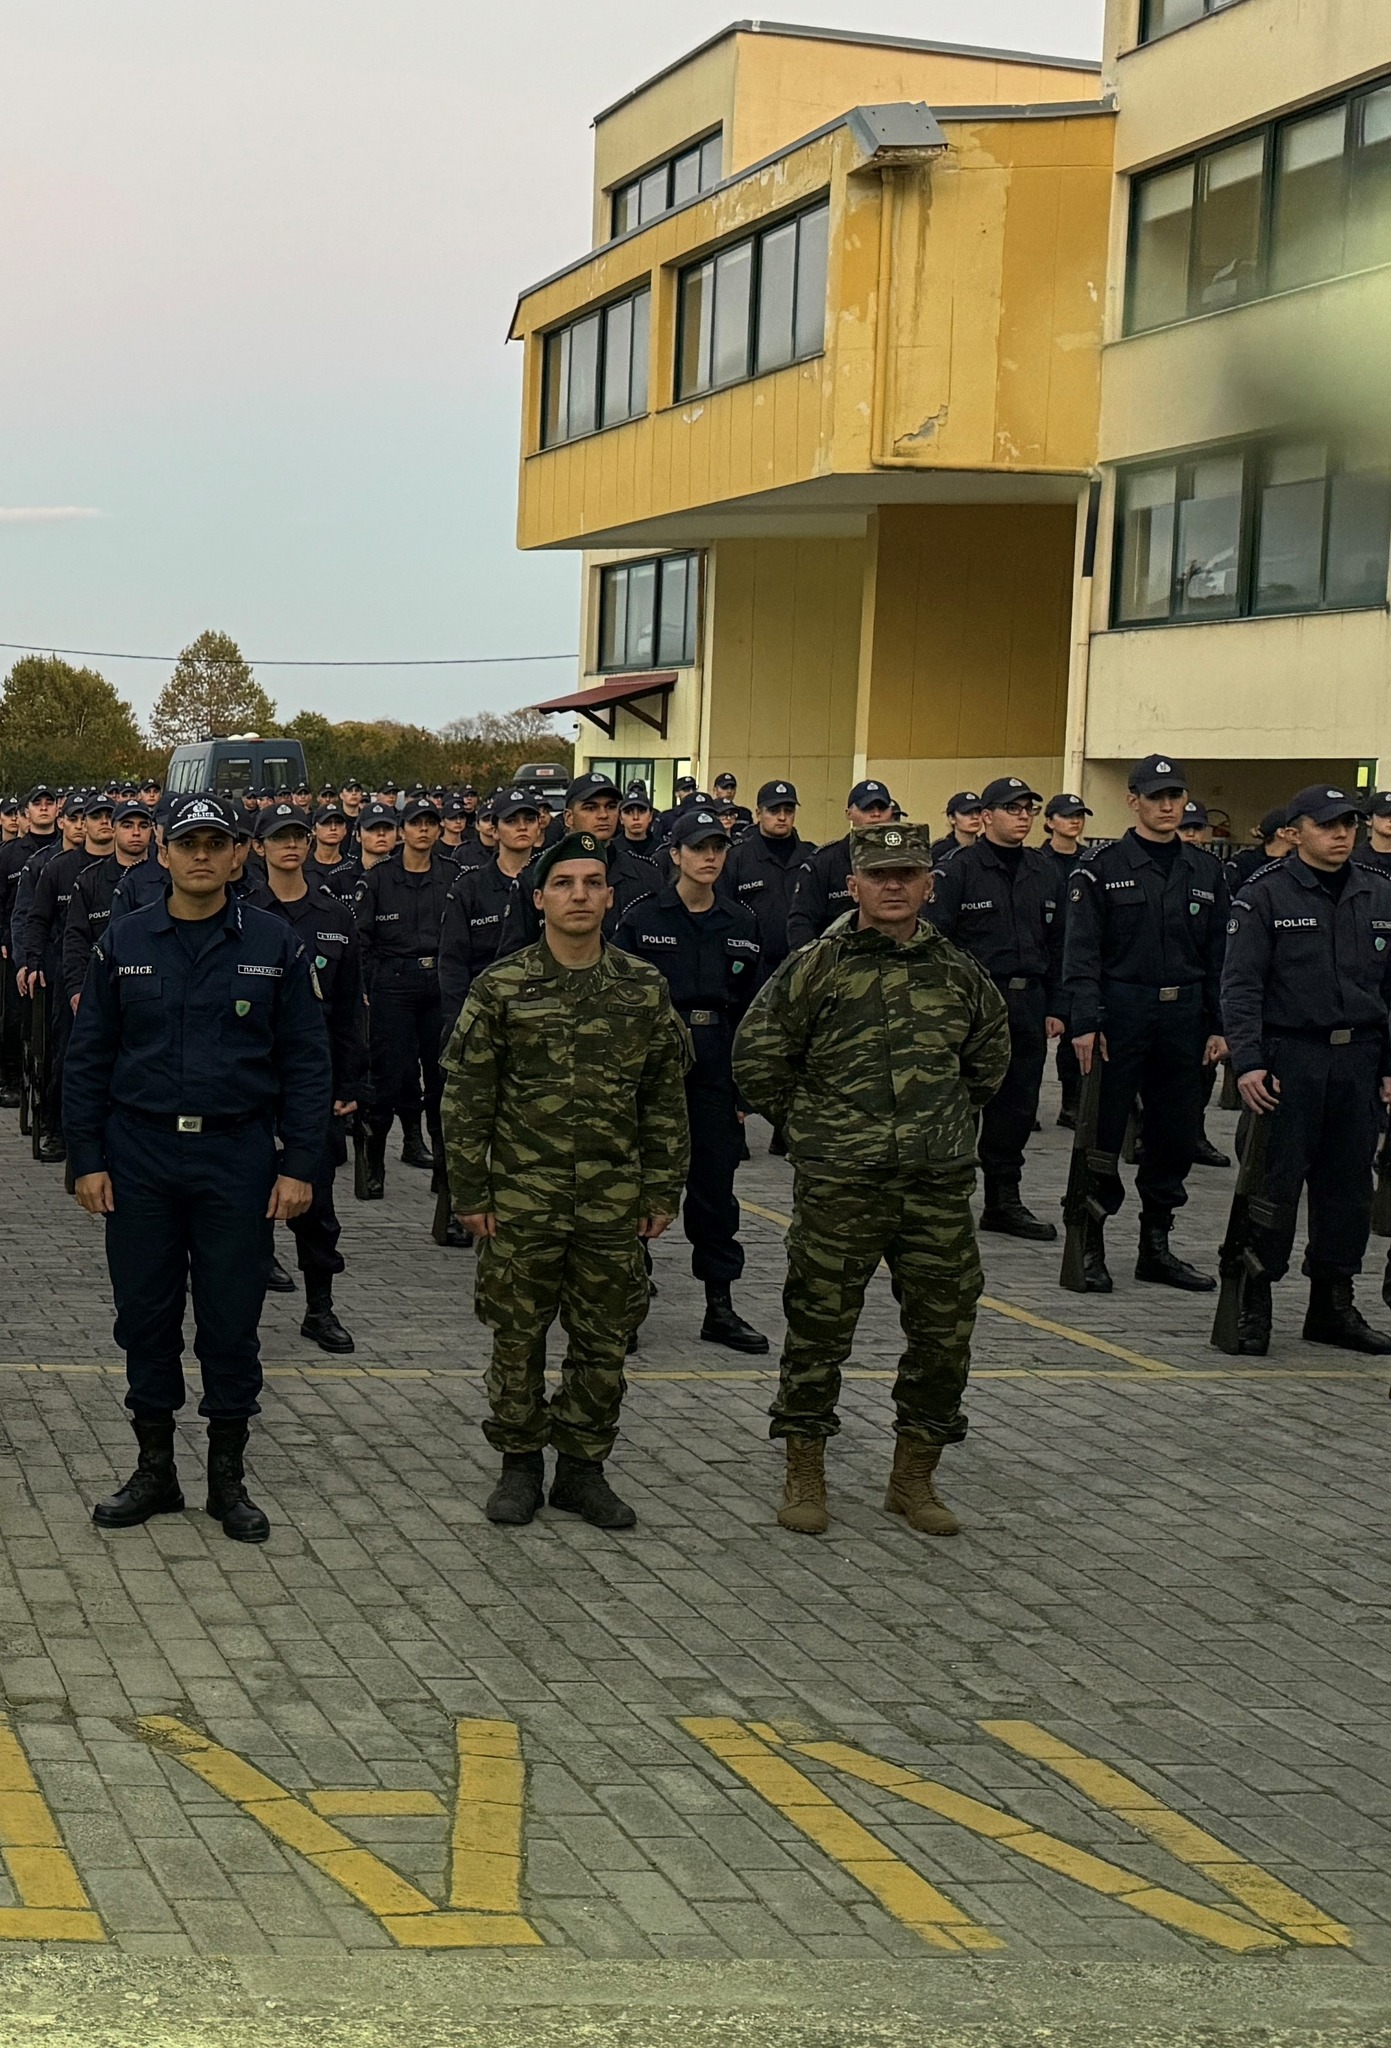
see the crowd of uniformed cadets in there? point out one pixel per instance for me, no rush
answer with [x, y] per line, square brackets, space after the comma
[208, 1000]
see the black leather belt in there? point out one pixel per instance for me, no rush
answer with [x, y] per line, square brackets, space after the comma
[425, 960]
[197, 1126]
[1017, 981]
[704, 1016]
[1344, 1035]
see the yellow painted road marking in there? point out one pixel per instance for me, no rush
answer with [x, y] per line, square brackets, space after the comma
[53, 1905]
[409, 1917]
[363, 1804]
[1098, 1875]
[485, 1873]
[1243, 1881]
[899, 1889]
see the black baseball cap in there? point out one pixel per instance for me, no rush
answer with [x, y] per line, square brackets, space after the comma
[203, 813]
[636, 798]
[1007, 789]
[514, 802]
[330, 813]
[1380, 806]
[592, 783]
[10, 807]
[1272, 822]
[1156, 773]
[279, 818]
[1322, 804]
[774, 793]
[1194, 813]
[99, 802]
[866, 793]
[75, 807]
[128, 808]
[377, 814]
[684, 782]
[1066, 805]
[351, 783]
[42, 792]
[695, 825]
[726, 781]
[964, 800]
[329, 789]
[418, 807]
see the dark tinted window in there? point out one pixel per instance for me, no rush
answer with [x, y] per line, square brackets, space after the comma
[595, 371]
[647, 613]
[757, 305]
[670, 183]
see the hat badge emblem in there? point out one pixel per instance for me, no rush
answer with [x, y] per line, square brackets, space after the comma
[1333, 792]
[1163, 768]
[893, 839]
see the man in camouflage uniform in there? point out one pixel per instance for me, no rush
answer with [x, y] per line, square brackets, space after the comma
[876, 1047]
[567, 1141]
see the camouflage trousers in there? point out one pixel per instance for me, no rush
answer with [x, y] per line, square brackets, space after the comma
[595, 1283]
[923, 1231]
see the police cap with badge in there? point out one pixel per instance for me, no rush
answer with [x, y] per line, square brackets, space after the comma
[1157, 774]
[279, 818]
[1006, 790]
[206, 813]
[1324, 806]
[513, 803]
[696, 827]
[1066, 805]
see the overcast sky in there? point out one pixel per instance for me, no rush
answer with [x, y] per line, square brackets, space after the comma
[257, 261]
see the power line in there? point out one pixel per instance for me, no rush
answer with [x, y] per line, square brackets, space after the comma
[254, 661]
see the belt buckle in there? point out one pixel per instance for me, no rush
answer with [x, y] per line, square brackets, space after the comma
[426, 960]
[1169, 995]
[1019, 981]
[1340, 1038]
[702, 1016]
[189, 1126]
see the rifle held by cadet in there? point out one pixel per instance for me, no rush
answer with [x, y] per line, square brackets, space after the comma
[1239, 1261]
[1081, 1205]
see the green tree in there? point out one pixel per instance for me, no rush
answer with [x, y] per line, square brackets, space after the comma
[64, 724]
[211, 691]
[485, 750]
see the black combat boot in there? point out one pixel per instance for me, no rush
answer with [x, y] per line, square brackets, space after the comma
[153, 1487]
[1095, 1275]
[521, 1489]
[1333, 1318]
[1205, 1153]
[580, 1488]
[724, 1325]
[280, 1282]
[414, 1150]
[1157, 1263]
[1253, 1324]
[228, 1500]
[320, 1324]
[1005, 1212]
[376, 1165]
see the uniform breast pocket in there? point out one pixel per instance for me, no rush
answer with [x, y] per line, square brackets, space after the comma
[536, 1038]
[144, 1019]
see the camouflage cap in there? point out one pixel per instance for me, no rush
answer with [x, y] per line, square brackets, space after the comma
[574, 846]
[889, 846]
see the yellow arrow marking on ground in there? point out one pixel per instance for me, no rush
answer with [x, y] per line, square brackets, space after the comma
[898, 1888]
[486, 1864]
[1245, 1882]
[409, 1917]
[1109, 1879]
[54, 1906]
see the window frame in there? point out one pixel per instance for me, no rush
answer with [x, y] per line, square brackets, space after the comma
[554, 336]
[617, 194]
[1148, 36]
[694, 561]
[1269, 134]
[754, 242]
[1255, 455]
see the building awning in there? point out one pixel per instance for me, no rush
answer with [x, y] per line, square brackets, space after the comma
[601, 705]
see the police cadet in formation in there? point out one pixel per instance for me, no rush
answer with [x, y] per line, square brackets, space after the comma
[636, 818]
[1065, 822]
[330, 865]
[94, 891]
[591, 805]
[325, 927]
[822, 890]
[1306, 988]
[565, 1119]
[197, 1041]
[43, 955]
[964, 824]
[1273, 842]
[762, 869]
[707, 949]
[998, 900]
[877, 1046]
[1195, 829]
[725, 789]
[477, 901]
[399, 906]
[1376, 852]
[1142, 964]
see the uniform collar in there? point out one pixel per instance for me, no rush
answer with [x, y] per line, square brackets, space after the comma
[1310, 878]
[1137, 849]
[845, 928]
[230, 921]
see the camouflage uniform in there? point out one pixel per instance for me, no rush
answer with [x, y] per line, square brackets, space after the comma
[565, 1116]
[876, 1058]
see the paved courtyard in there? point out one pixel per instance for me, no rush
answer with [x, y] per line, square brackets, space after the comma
[1119, 1755]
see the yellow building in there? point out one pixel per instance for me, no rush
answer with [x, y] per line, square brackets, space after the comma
[820, 407]
[922, 411]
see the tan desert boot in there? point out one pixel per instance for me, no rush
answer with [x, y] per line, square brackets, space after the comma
[911, 1492]
[804, 1491]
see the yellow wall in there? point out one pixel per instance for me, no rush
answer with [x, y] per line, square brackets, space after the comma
[657, 122]
[1245, 790]
[964, 659]
[782, 662]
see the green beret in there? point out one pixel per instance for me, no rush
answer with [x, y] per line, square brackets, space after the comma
[889, 846]
[574, 846]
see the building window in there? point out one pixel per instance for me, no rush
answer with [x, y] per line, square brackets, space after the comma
[1295, 202]
[595, 371]
[668, 184]
[1162, 17]
[647, 613]
[1245, 532]
[757, 305]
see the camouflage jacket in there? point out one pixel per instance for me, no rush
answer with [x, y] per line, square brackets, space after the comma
[874, 1054]
[564, 1095]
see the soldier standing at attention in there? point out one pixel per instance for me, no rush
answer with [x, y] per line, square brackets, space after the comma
[565, 1121]
[998, 900]
[591, 805]
[399, 906]
[1142, 966]
[90, 909]
[821, 892]
[877, 1047]
[706, 948]
[1306, 990]
[965, 823]
[762, 870]
[198, 1034]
